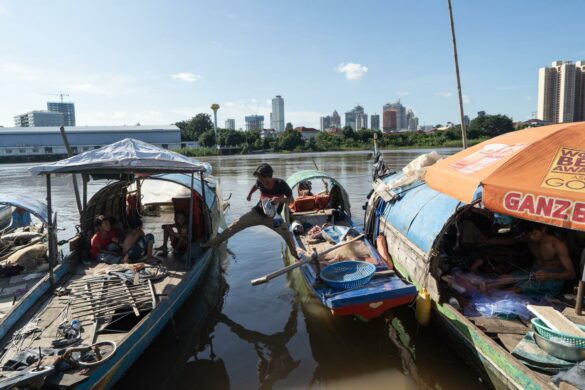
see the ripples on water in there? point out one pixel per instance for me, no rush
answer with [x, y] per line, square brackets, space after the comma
[232, 335]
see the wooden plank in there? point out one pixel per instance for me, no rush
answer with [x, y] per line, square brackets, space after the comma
[152, 294]
[555, 320]
[497, 325]
[132, 300]
[569, 312]
[510, 341]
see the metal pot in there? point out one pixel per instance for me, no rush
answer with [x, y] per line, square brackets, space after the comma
[558, 350]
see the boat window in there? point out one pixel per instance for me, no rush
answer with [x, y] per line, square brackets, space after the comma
[48, 150]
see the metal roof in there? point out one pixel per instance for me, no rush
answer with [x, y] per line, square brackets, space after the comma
[86, 129]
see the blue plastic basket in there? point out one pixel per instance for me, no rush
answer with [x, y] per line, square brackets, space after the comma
[348, 274]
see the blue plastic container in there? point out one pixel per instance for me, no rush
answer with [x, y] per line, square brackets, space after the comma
[348, 274]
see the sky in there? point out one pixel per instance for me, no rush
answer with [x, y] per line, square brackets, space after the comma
[155, 62]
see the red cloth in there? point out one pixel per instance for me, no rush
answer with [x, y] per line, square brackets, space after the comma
[97, 243]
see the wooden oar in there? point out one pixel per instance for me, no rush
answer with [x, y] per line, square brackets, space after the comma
[282, 271]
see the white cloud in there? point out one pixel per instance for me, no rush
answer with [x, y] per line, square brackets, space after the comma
[187, 77]
[352, 71]
[466, 99]
[3, 11]
[230, 104]
[444, 94]
[402, 93]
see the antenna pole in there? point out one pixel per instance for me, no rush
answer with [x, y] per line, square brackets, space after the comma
[463, 131]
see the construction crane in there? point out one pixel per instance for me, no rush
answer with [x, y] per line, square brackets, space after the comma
[60, 94]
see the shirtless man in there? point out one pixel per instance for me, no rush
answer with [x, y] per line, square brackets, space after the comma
[552, 265]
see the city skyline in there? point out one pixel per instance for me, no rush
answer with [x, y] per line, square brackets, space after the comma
[154, 64]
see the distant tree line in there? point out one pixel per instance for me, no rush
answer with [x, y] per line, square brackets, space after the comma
[200, 129]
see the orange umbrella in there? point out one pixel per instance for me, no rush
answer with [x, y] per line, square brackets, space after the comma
[536, 174]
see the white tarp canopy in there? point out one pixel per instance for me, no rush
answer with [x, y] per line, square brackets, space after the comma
[125, 156]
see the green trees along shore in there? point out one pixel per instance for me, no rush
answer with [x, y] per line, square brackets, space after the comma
[200, 129]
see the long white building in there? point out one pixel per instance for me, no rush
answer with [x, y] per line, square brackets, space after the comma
[561, 92]
[27, 142]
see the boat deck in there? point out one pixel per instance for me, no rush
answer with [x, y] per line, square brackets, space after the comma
[94, 308]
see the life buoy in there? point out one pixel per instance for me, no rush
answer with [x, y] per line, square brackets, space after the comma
[382, 248]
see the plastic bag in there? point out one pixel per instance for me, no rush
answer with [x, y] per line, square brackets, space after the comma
[507, 305]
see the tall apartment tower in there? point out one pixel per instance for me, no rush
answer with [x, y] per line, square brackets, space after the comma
[277, 115]
[375, 122]
[230, 124]
[335, 120]
[254, 122]
[356, 118]
[396, 121]
[67, 109]
[561, 92]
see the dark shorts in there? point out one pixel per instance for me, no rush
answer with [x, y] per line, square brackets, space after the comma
[139, 249]
[538, 288]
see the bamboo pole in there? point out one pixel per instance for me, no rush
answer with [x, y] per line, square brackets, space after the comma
[463, 131]
[51, 231]
[73, 176]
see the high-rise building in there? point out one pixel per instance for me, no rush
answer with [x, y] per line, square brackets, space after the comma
[39, 119]
[332, 121]
[561, 92]
[277, 115]
[361, 121]
[325, 122]
[254, 122]
[356, 118]
[389, 120]
[375, 122]
[67, 109]
[400, 114]
[230, 124]
[335, 120]
[412, 121]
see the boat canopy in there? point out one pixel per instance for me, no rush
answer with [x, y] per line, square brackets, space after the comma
[128, 156]
[418, 212]
[185, 180]
[32, 205]
[535, 174]
[300, 176]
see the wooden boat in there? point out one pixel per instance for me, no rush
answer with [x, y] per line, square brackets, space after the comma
[332, 207]
[5, 214]
[420, 225]
[23, 264]
[118, 310]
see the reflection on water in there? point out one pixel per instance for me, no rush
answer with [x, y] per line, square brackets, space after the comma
[274, 359]
[274, 335]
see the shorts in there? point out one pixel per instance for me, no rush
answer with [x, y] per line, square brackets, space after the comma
[138, 250]
[538, 288]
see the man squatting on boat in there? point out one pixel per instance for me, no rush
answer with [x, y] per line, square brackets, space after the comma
[272, 189]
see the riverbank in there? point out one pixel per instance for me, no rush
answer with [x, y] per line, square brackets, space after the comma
[210, 151]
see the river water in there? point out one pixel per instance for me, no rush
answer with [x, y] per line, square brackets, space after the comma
[232, 335]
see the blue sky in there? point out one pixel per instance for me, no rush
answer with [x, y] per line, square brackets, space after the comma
[158, 62]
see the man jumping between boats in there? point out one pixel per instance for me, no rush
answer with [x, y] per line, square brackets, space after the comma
[272, 189]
